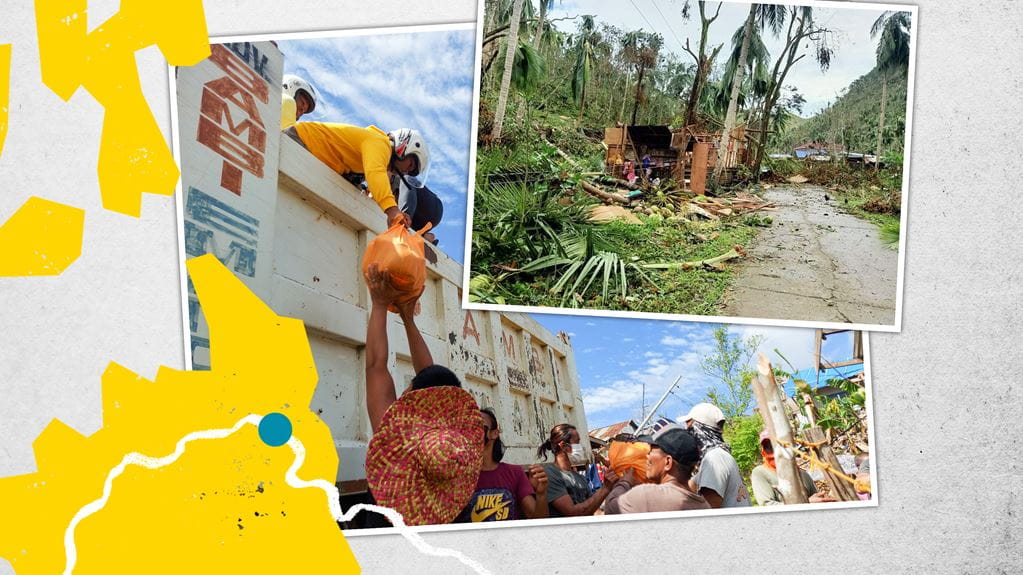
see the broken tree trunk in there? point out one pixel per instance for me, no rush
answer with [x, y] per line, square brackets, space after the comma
[592, 189]
[790, 484]
[558, 151]
[692, 208]
[840, 488]
[712, 263]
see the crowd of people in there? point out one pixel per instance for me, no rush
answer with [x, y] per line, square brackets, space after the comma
[436, 456]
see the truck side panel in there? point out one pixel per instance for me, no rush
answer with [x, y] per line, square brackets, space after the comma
[320, 226]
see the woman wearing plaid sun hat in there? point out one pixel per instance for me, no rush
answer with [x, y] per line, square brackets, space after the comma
[427, 446]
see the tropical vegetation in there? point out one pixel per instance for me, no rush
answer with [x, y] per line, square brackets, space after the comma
[551, 86]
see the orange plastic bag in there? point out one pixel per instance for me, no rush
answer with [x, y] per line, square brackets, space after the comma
[625, 455]
[401, 253]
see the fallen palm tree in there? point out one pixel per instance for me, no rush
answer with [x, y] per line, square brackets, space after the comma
[714, 263]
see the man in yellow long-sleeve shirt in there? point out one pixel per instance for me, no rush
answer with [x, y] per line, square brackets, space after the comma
[369, 151]
[298, 98]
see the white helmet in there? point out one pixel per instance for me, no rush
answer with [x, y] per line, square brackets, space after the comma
[292, 85]
[408, 141]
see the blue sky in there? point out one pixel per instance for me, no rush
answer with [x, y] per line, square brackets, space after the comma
[615, 357]
[854, 48]
[420, 80]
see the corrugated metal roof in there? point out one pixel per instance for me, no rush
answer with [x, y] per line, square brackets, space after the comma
[809, 375]
[608, 432]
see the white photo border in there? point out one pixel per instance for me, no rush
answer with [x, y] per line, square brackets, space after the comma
[903, 220]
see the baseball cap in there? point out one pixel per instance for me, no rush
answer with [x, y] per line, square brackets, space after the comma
[678, 443]
[707, 414]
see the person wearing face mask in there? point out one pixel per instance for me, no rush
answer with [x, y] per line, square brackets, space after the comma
[568, 492]
[718, 479]
[669, 465]
[764, 478]
[504, 492]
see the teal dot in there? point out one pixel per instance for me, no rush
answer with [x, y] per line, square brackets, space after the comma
[275, 429]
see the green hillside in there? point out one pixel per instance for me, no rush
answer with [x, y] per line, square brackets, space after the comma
[852, 120]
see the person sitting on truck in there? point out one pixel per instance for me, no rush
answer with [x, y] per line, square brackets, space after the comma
[298, 98]
[504, 492]
[673, 455]
[424, 457]
[568, 492]
[419, 202]
[369, 151]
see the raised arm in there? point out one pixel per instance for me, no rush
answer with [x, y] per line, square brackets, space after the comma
[624, 484]
[534, 506]
[376, 155]
[379, 383]
[421, 358]
[565, 506]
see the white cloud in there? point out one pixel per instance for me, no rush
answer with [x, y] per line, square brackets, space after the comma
[673, 341]
[614, 396]
[796, 344]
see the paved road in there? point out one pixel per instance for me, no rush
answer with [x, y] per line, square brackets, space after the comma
[815, 264]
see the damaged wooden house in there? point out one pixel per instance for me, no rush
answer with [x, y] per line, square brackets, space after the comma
[688, 155]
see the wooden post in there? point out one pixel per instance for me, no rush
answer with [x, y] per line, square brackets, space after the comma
[790, 482]
[698, 170]
[758, 392]
[811, 409]
[818, 342]
[840, 488]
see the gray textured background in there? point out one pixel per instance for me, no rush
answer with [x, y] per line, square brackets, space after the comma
[946, 402]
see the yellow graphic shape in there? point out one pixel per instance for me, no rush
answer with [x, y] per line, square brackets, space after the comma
[133, 156]
[42, 238]
[224, 505]
[5, 90]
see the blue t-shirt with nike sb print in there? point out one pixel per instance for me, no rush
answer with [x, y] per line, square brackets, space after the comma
[497, 496]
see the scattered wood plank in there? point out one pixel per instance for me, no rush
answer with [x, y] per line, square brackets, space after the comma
[693, 208]
[840, 489]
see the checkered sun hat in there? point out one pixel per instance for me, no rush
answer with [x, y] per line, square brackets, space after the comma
[425, 459]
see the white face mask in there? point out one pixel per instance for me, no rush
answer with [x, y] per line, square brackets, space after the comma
[578, 455]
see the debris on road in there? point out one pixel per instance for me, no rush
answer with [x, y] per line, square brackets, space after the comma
[713, 264]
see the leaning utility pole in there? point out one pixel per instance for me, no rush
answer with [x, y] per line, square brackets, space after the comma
[646, 418]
